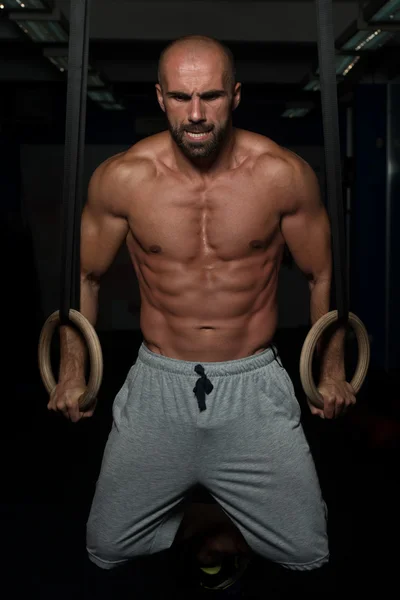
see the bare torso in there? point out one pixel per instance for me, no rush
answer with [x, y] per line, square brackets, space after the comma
[207, 250]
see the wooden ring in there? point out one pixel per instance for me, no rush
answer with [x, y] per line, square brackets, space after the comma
[307, 353]
[95, 355]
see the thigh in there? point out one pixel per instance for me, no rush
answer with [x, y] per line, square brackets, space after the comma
[148, 465]
[261, 472]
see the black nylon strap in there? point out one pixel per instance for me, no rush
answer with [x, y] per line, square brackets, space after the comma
[330, 115]
[74, 156]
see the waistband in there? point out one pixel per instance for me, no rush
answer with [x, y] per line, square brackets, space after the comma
[213, 369]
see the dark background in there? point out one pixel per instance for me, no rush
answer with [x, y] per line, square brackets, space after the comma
[50, 466]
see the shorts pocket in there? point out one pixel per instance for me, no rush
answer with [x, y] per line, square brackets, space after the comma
[125, 394]
[277, 391]
[283, 376]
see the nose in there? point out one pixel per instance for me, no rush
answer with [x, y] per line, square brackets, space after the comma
[196, 111]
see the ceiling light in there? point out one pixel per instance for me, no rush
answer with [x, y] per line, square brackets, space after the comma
[344, 64]
[28, 4]
[60, 62]
[367, 40]
[42, 26]
[294, 113]
[94, 80]
[101, 96]
[43, 31]
[58, 56]
[390, 11]
[312, 86]
[111, 106]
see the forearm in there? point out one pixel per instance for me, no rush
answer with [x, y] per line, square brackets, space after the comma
[330, 349]
[73, 348]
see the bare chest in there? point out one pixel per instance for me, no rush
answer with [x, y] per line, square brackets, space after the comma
[227, 220]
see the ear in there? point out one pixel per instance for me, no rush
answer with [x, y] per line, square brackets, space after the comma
[237, 94]
[160, 97]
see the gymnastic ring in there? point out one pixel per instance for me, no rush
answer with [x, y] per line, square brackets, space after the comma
[95, 355]
[307, 353]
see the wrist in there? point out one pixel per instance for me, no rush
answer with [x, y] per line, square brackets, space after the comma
[76, 379]
[333, 374]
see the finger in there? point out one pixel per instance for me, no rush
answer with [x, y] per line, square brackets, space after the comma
[346, 403]
[62, 408]
[352, 398]
[339, 405]
[317, 411]
[51, 405]
[73, 410]
[350, 394]
[90, 411]
[349, 401]
[85, 415]
[329, 407]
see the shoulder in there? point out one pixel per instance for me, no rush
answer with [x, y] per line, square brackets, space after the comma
[120, 175]
[271, 158]
[135, 165]
[283, 169]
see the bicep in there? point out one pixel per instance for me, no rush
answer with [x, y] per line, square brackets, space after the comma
[306, 229]
[102, 232]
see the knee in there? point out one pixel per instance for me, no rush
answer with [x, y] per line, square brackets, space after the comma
[302, 552]
[310, 555]
[104, 546]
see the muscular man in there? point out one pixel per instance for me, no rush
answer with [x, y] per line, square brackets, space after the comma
[206, 210]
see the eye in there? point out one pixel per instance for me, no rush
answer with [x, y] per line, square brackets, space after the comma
[209, 97]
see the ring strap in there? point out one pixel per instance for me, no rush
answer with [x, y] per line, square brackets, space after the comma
[330, 117]
[74, 157]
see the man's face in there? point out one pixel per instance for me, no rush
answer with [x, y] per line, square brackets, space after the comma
[198, 100]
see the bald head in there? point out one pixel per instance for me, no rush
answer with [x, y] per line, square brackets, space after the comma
[195, 48]
[197, 91]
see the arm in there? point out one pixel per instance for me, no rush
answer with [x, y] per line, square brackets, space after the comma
[103, 231]
[306, 230]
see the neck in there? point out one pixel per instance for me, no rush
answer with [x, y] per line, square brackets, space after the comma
[220, 161]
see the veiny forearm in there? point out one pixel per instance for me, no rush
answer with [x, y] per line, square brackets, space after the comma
[330, 349]
[73, 348]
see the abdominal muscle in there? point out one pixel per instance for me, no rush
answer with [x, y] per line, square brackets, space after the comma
[208, 324]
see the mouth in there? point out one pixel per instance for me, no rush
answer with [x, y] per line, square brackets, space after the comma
[198, 137]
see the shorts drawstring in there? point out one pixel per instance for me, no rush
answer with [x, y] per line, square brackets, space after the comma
[203, 386]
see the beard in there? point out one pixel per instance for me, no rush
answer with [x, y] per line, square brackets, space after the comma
[201, 149]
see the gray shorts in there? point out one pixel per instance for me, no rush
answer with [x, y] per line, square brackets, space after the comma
[232, 427]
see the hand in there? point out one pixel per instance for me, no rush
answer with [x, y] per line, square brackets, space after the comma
[337, 395]
[65, 399]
